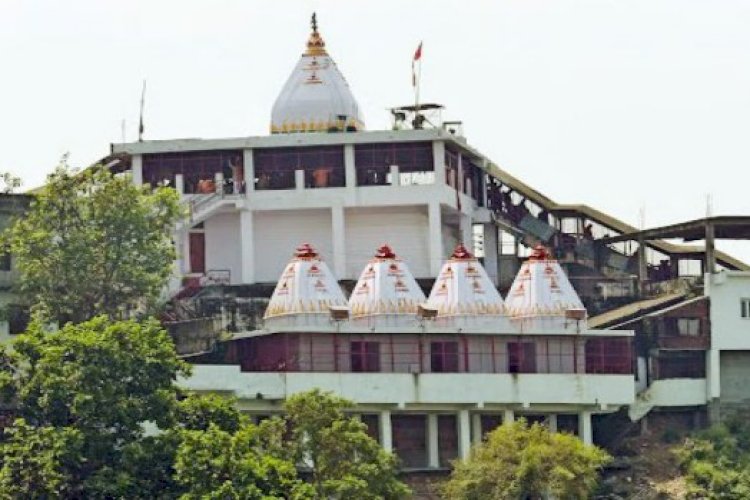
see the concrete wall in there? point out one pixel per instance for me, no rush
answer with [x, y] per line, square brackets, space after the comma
[735, 378]
[430, 388]
[404, 228]
[278, 233]
[729, 331]
[223, 245]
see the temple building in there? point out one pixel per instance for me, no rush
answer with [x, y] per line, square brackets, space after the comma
[440, 293]
[429, 377]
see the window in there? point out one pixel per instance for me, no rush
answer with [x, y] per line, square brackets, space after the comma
[745, 308]
[609, 356]
[521, 357]
[275, 167]
[199, 168]
[414, 160]
[690, 327]
[444, 357]
[365, 356]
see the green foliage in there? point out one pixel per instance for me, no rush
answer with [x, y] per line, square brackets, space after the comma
[93, 243]
[344, 461]
[519, 462]
[198, 412]
[717, 461]
[37, 462]
[214, 463]
[87, 391]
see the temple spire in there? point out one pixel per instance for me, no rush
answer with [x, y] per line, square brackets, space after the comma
[315, 44]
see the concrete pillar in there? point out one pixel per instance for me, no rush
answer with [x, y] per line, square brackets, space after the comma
[386, 433]
[395, 177]
[350, 169]
[299, 179]
[642, 265]
[339, 246]
[585, 431]
[179, 184]
[476, 431]
[435, 237]
[490, 252]
[460, 174]
[464, 434]
[467, 232]
[184, 239]
[219, 182]
[438, 161]
[433, 458]
[249, 170]
[552, 422]
[710, 265]
[508, 416]
[136, 167]
[713, 373]
[247, 247]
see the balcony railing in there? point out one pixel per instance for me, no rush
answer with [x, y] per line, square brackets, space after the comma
[411, 354]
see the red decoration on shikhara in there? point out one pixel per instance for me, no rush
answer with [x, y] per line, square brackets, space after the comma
[305, 251]
[461, 253]
[385, 252]
[540, 253]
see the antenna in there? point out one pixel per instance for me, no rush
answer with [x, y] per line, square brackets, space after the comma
[143, 102]
[709, 205]
[122, 130]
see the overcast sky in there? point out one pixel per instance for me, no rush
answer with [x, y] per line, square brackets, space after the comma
[616, 104]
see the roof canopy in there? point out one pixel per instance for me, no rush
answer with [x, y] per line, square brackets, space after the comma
[387, 293]
[541, 294]
[464, 296]
[316, 97]
[305, 292]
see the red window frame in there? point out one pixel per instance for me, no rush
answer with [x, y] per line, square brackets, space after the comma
[444, 357]
[364, 356]
[521, 357]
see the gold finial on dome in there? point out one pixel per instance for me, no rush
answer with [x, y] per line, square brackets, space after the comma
[315, 44]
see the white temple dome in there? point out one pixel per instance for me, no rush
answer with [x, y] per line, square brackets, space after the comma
[316, 97]
[541, 294]
[464, 295]
[386, 293]
[305, 293]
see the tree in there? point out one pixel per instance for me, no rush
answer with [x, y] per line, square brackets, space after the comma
[37, 462]
[87, 391]
[520, 462]
[93, 243]
[716, 462]
[344, 461]
[216, 464]
[9, 183]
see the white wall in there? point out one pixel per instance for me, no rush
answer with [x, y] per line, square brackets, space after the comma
[430, 388]
[279, 233]
[729, 331]
[403, 228]
[223, 245]
[451, 238]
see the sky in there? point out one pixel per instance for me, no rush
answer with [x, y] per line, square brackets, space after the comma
[627, 105]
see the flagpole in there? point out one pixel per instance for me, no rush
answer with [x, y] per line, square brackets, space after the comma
[140, 122]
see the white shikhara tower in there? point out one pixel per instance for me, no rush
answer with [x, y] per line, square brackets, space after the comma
[304, 294]
[386, 294]
[541, 294]
[316, 97]
[465, 297]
